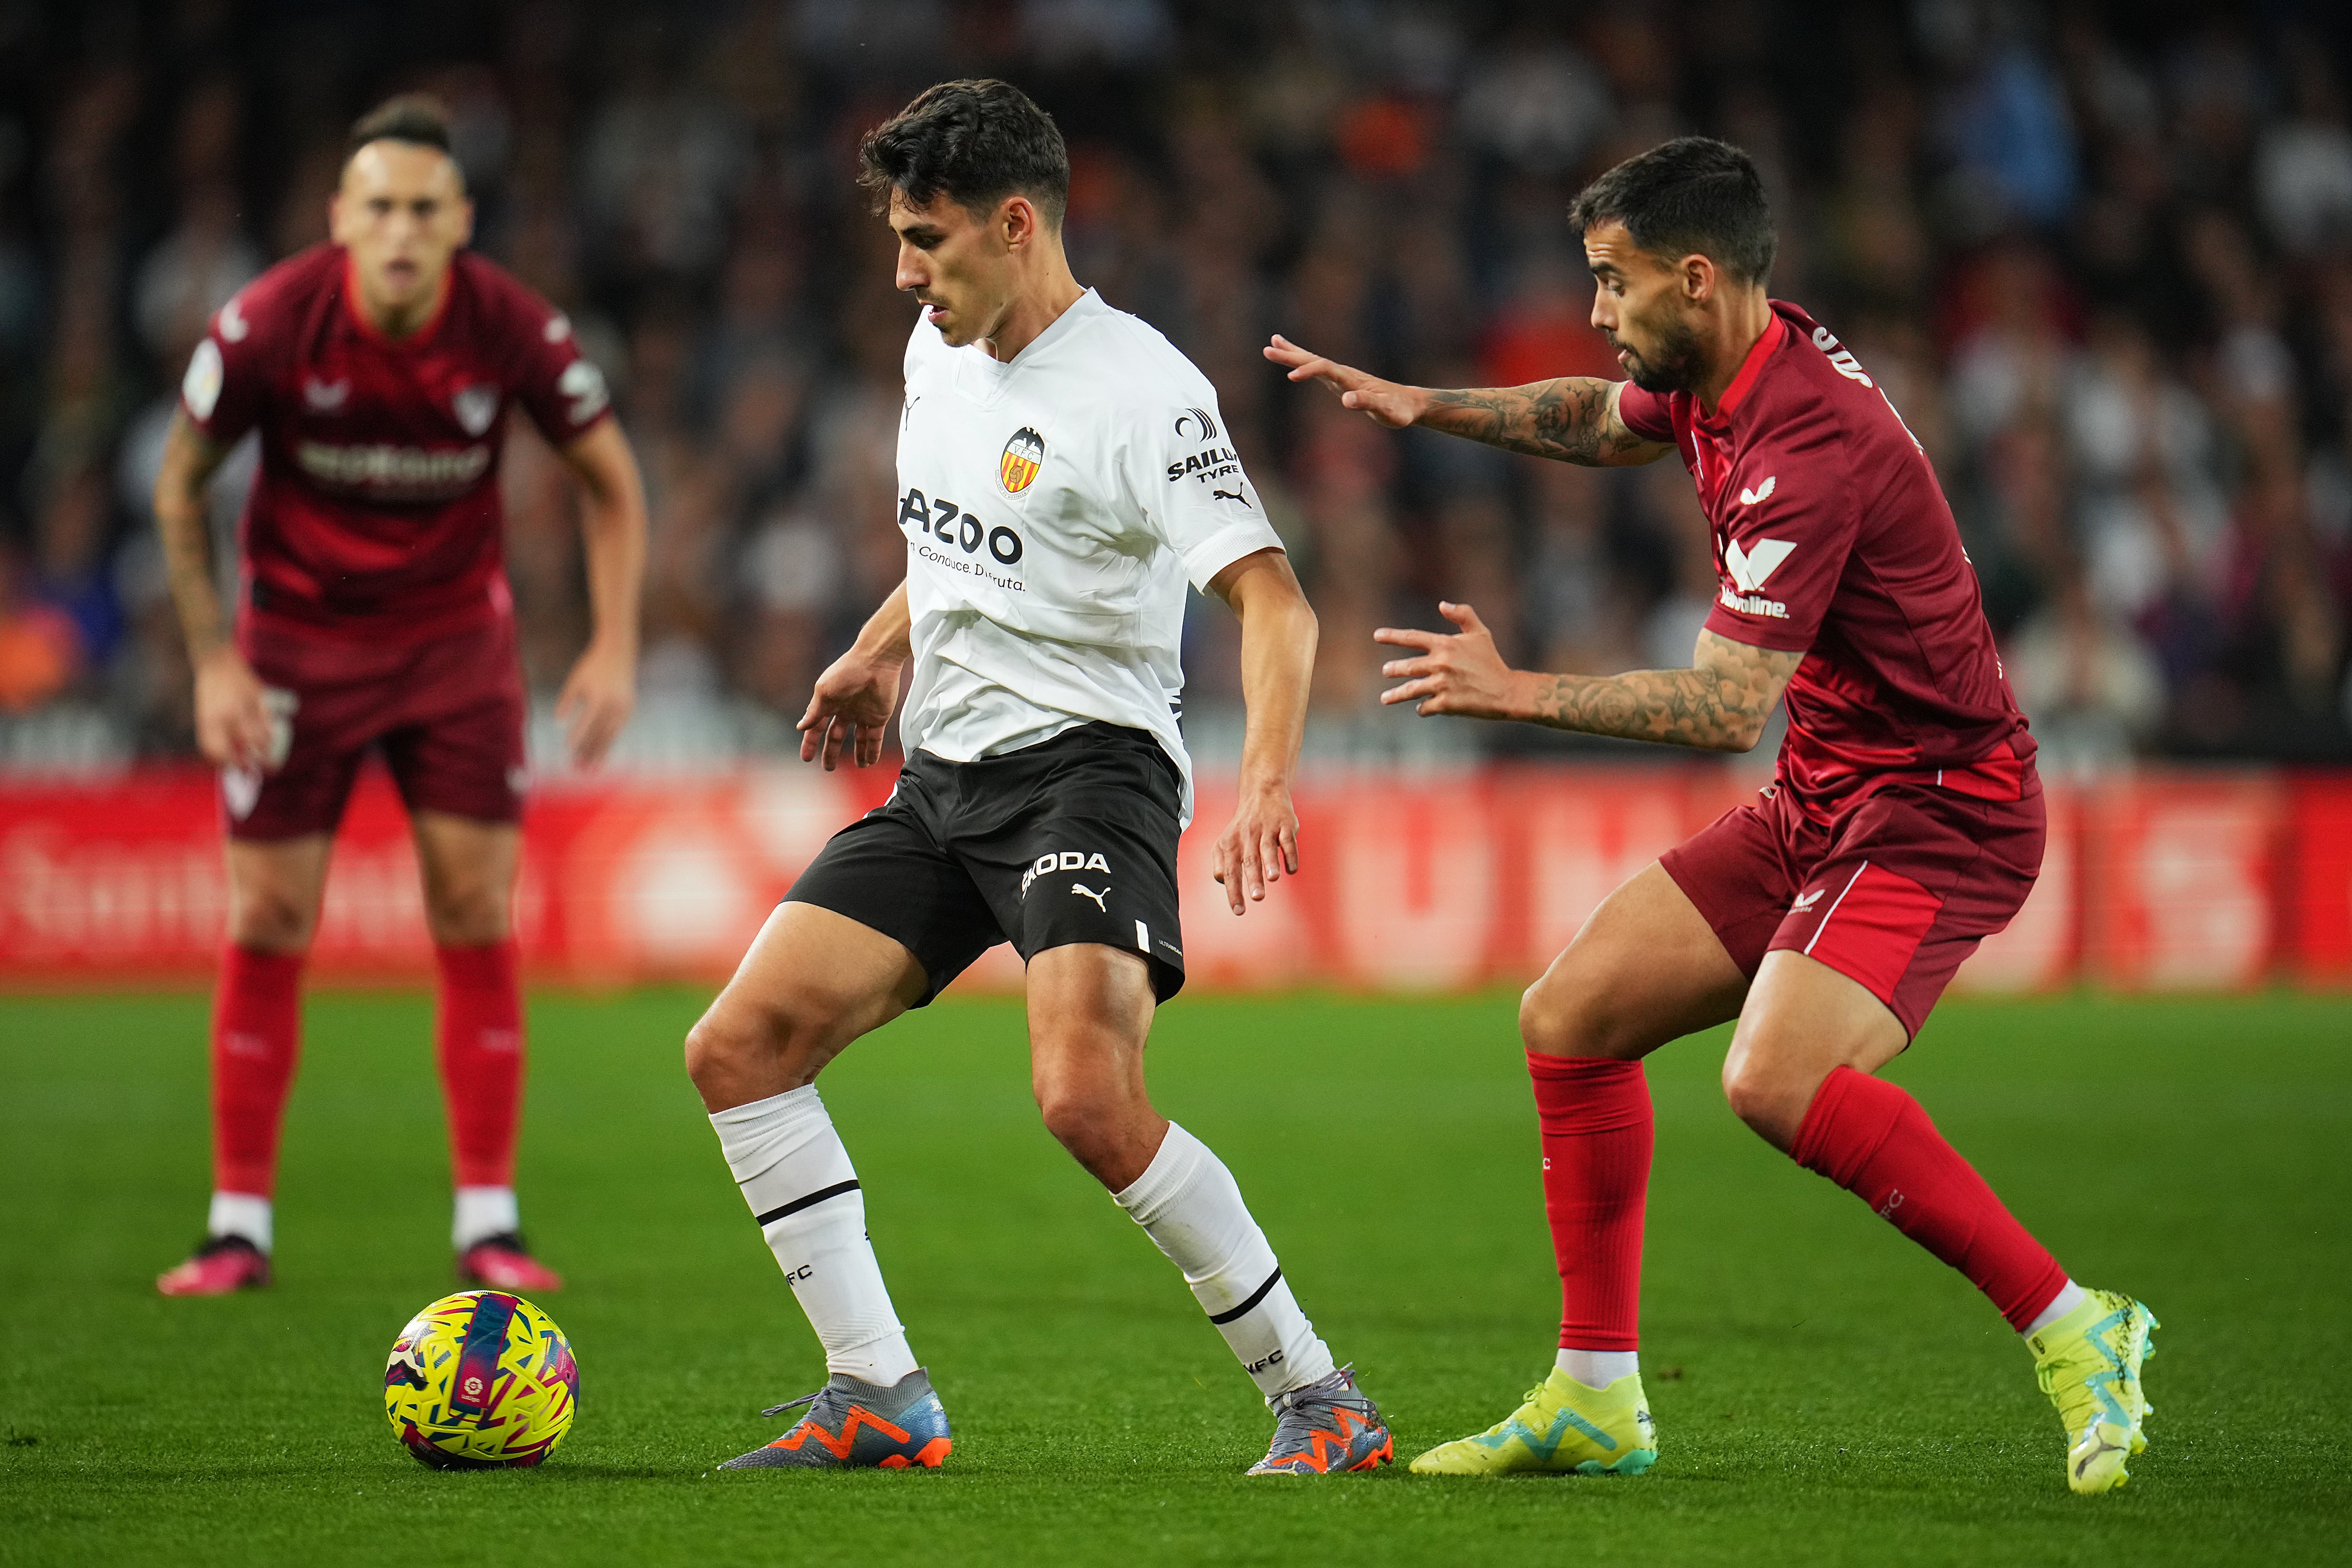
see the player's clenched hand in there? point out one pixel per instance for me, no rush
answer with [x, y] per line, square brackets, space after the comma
[1388, 403]
[851, 704]
[232, 710]
[597, 699]
[1259, 846]
[1458, 674]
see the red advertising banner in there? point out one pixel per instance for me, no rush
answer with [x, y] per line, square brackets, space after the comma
[2169, 880]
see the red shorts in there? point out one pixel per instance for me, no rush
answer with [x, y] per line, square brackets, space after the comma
[1893, 892]
[446, 714]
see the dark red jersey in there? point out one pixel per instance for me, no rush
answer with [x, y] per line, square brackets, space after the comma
[376, 510]
[1833, 538]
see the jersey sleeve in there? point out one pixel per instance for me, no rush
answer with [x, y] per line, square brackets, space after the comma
[228, 376]
[1188, 481]
[558, 387]
[1646, 414]
[1790, 526]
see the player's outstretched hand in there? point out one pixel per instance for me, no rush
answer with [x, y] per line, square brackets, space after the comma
[1259, 846]
[850, 706]
[1457, 674]
[1388, 403]
[596, 700]
[232, 711]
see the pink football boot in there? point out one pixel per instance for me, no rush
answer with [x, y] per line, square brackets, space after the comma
[222, 1265]
[504, 1263]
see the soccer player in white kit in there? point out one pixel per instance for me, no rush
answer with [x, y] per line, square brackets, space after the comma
[1063, 474]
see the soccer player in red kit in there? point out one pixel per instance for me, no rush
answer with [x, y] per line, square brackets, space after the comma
[373, 614]
[1903, 825]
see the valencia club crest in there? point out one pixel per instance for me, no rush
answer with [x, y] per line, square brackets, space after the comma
[1024, 455]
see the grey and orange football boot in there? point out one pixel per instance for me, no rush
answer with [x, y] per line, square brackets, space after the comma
[1325, 1427]
[854, 1424]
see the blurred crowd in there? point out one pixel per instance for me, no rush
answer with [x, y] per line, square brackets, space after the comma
[2099, 255]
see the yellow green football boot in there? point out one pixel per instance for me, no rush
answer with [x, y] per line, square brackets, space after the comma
[1563, 1425]
[2088, 1364]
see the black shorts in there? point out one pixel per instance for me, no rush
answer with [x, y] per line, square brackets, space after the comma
[1073, 839]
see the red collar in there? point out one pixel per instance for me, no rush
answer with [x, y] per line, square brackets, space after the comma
[1749, 369]
[416, 340]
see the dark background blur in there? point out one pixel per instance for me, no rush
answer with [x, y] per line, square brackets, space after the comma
[2099, 255]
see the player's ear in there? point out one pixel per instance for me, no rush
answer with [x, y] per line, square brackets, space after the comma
[1700, 278]
[464, 221]
[1016, 221]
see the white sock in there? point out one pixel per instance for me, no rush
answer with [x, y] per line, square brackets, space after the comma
[1598, 1369]
[240, 1214]
[1188, 1202]
[2070, 1296]
[800, 1184]
[482, 1213]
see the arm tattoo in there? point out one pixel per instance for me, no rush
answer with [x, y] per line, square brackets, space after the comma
[1720, 704]
[1572, 419]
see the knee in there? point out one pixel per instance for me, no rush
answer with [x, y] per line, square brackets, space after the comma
[1077, 1115]
[729, 1048]
[472, 915]
[269, 920]
[1560, 1018]
[1746, 1089]
[1766, 1094]
[1084, 1116]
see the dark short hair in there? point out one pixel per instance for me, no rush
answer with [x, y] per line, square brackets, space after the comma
[1692, 195]
[416, 118]
[974, 141]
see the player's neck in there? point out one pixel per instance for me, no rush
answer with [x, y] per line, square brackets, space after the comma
[401, 320]
[1037, 306]
[1747, 318]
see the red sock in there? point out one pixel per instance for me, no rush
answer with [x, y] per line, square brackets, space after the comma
[1597, 1133]
[1872, 1139]
[256, 1035]
[478, 1043]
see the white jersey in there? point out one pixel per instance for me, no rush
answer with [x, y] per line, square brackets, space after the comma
[1054, 507]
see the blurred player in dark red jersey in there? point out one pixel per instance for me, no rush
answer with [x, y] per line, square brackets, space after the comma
[373, 614]
[1904, 824]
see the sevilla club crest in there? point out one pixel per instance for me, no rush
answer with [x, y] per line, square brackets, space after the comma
[1024, 455]
[476, 406]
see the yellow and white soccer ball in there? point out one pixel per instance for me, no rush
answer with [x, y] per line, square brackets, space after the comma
[480, 1379]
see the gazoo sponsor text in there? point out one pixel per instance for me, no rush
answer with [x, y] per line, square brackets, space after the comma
[946, 521]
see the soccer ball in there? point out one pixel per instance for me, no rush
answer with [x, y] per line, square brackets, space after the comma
[480, 1379]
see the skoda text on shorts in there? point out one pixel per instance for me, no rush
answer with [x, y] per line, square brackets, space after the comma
[1062, 478]
[1904, 824]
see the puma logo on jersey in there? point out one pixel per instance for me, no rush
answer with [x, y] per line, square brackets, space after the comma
[1751, 568]
[1750, 498]
[1230, 495]
[1803, 902]
[1098, 898]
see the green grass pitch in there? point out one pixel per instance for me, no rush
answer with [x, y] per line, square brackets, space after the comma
[1824, 1392]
